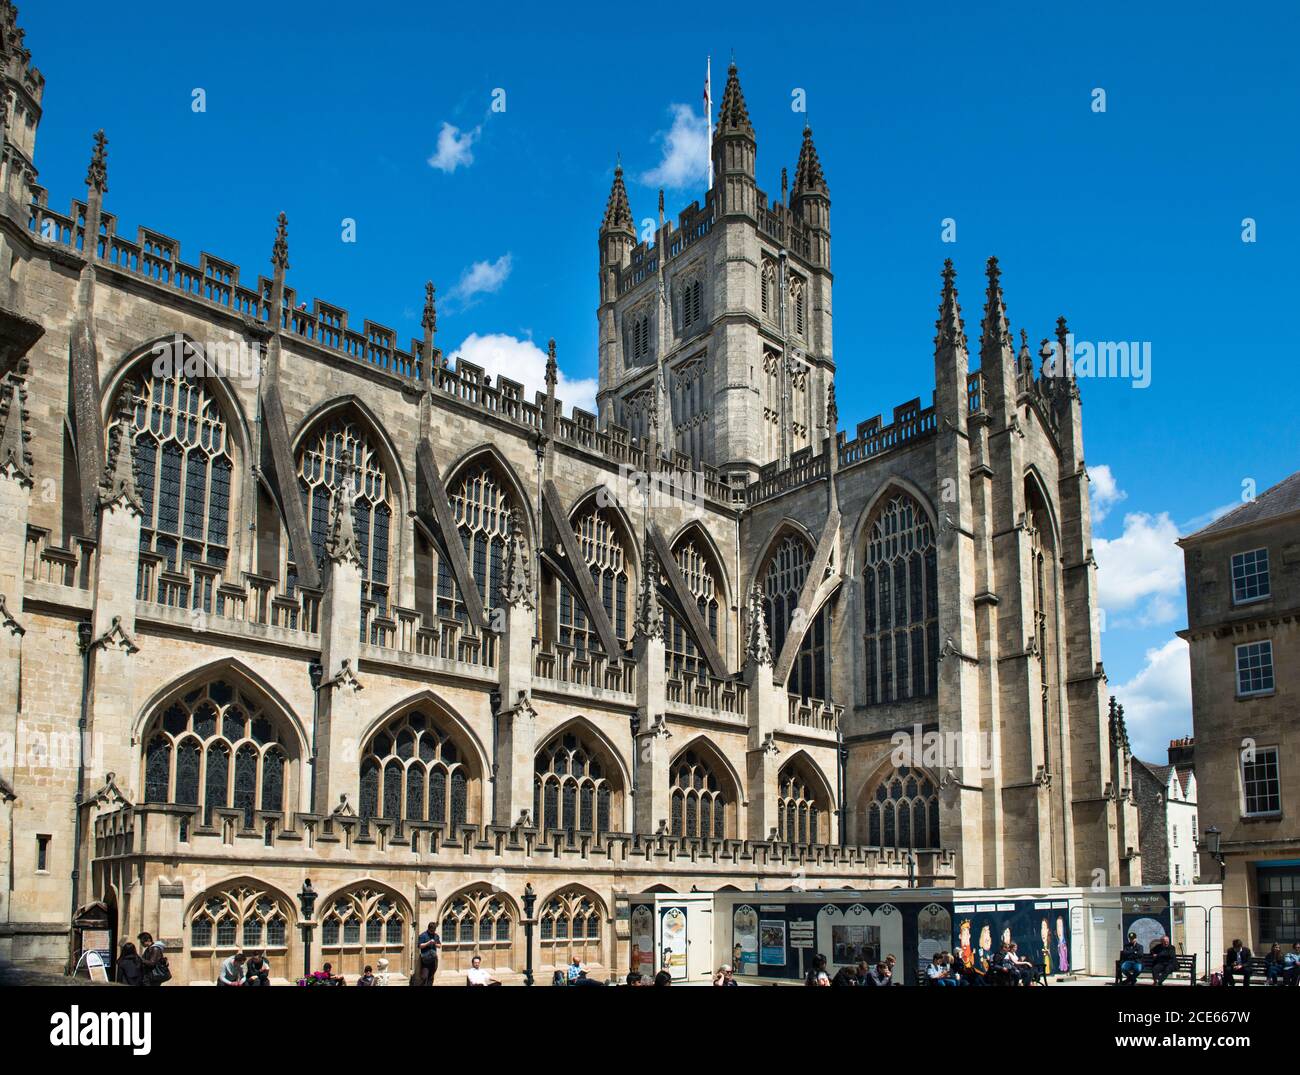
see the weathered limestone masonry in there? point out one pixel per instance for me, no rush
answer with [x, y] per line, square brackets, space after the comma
[323, 606]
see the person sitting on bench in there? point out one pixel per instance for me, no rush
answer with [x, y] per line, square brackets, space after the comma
[1291, 965]
[1019, 970]
[937, 972]
[1130, 961]
[1236, 961]
[1166, 960]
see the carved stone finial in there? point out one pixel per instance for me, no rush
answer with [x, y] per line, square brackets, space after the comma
[649, 614]
[758, 644]
[517, 588]
[951, 328]
[552, 368]
[429, 322]
[117, 486]
[97, 176]
[15, 436]
[280, 251]
[342, 546]
[832, 410]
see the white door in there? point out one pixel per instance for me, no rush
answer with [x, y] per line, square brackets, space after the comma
[699, 948]
[1105, 938]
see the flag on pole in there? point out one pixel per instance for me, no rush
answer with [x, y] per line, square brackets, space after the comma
[708, 117]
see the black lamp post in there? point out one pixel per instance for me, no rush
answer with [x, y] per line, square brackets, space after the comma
[530, 902]
[307, 903]
[1214, 845]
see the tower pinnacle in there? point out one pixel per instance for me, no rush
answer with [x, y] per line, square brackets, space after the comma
[952, 330]
[618, 213]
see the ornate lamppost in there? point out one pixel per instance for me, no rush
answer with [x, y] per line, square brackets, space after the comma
[530, 903]
[307, 904]
[1214, 845]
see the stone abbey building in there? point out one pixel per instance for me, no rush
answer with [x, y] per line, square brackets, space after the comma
[324, 606]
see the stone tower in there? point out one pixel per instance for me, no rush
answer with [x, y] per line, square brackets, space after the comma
[729, 311]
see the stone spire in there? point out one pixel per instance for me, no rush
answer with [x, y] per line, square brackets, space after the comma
[733, 116]
[758, 646]
[995, 332]
[808, 175]
[952, 330]
[117, 486]
[341, 546]
[517, 587]
[429, 322]
[97, 175]
[649, 614]
[280, 251]
[618, 213]
[15, 455]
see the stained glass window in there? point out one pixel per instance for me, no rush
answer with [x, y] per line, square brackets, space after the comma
[901, 598]
[606, 558]
[799, 807]
[783, 579]
[903, 811]
[377, 910]
[569, 777]
[698, 803]
[194, 742]
[481, 505]
[701, 574]
[240, 916]
[416, 761]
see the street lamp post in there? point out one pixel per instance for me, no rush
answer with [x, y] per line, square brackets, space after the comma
[1214, 845]
[530, 902]
[307, 904]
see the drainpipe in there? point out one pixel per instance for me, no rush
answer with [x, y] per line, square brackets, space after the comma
[316, 671]
[84, 632]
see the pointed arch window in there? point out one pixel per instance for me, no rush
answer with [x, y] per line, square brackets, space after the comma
[692, 303]
[767, 286]
[799, 809]
[217, 747]
[901, 602]
[241, 916]
[319, 473]
[183, 465]
[797, 305]
[903, 811]
[570, 926]
[481, 504]
[573, 787]
[697, 802]
[478, 921]
[605, 555]
[783, 581]
[411, 770]
[698, 569]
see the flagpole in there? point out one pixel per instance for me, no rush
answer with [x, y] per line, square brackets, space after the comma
[708, 114]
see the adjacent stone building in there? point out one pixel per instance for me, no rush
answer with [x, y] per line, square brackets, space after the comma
[1167, 820]
[1243, 601]
[325, 606]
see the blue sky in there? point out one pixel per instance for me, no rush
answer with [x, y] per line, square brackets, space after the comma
[1128, 221]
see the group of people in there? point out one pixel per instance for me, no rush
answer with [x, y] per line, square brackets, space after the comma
[1007, 967]
[143, 966]
[1164, 957]
[860, 974]
[1280, 968]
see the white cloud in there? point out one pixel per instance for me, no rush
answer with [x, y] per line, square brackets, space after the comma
[1141, 571]
[482, 278]
[685, 151]
[525, 362]
[1105, 492]
[1158, 700]
[455, 148]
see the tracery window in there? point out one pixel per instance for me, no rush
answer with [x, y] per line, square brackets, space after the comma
[903, 811]
[606, 558]
[365, 922]
[481, 504]
[771, 405]
[681, 656]
[696, 800]
[783, 582]
[217, 747]
[767, 286]
[901, 601]
[412, 770]
[478, 921]
[572, 788]
[183, 464]
[569, 926]
[797, 304]
[241, 917]
[798, 807]
[319, 475]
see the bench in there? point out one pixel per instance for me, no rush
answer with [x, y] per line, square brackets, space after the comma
[1182, 965]
[1256, 972]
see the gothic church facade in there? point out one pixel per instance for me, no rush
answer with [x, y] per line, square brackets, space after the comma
[343, 611]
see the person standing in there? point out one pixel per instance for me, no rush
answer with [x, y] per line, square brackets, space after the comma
[129, 969]
[153, 960]
[428, 944]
